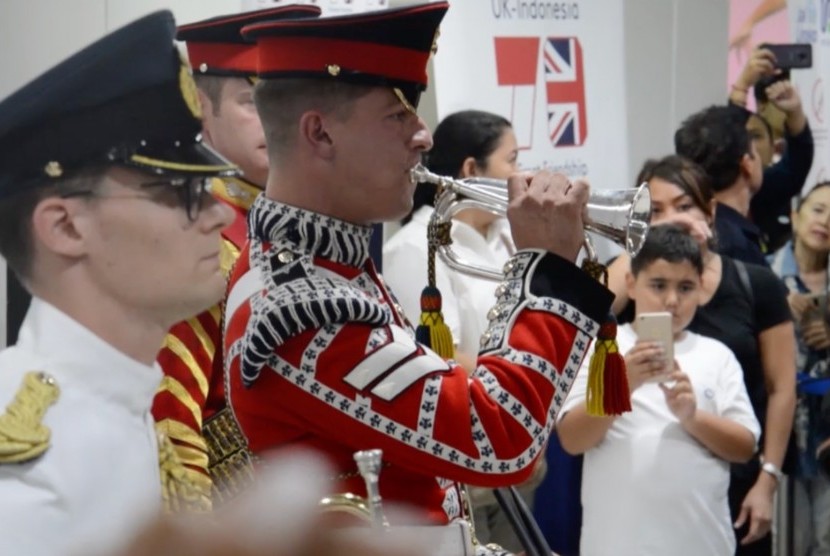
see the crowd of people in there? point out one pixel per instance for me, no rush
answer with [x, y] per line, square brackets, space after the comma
[202, 384]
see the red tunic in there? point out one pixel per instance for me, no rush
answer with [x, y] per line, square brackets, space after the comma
[192, 388]
[317, 355]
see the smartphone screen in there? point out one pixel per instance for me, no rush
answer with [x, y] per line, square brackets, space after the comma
[657, 327]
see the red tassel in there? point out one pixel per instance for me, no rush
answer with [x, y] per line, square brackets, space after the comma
[608, 392]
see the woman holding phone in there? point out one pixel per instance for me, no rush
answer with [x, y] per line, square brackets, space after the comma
[802, 264]
[744, 306]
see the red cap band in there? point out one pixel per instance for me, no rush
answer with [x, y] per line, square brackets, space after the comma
[223, 56]
[315, 54]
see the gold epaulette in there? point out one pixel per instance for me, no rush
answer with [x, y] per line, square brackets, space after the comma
[178, 492]
[23, 436]
[231, 465]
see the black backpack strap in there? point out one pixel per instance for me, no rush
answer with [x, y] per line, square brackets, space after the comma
[743, 274]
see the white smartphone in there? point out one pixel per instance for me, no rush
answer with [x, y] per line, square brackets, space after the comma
[657, 327]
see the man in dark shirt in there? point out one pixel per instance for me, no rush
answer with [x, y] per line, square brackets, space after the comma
[780, 114]
[716, 138]
[785, 178]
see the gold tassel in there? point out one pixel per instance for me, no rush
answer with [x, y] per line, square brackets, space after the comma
[608, 392]
[178, 491]
[432, 331]
[23, 436]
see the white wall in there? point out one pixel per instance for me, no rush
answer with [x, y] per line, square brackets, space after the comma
[675, 65]
[38, 33]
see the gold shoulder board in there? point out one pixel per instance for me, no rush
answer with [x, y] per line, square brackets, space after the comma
[23, 436]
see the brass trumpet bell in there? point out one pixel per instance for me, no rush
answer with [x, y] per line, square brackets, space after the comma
[621, 215]
[349, 504]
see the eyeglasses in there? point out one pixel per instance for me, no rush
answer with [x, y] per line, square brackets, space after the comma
[190, 193]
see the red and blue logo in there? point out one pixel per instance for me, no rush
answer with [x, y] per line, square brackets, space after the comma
[517, 64]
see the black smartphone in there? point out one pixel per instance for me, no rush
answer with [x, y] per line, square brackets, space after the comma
[788, 56]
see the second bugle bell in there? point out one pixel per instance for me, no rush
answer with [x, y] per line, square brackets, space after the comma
[621, 215]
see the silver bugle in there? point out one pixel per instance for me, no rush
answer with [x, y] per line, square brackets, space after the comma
[621, 215]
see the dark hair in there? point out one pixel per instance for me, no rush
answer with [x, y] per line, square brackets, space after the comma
[17, 243]
[212, 87]
[683, 173]
[470, 133]
[716, 138]
[803, 198]
[667, 242]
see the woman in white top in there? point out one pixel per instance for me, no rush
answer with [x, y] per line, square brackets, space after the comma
[466, 144]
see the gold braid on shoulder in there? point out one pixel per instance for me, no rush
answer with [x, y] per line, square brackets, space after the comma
[178, 491]
[23, 436]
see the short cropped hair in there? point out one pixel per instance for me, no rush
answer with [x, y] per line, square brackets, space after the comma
[668, 242]
[281, 102]
[716, 138]
[212, 86]
[16, 233]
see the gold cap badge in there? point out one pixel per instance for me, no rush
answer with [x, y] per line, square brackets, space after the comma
[53, 169]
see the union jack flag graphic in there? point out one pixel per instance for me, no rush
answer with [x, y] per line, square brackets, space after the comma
[565, 84]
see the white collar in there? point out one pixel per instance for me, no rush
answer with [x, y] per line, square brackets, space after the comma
[73, 353]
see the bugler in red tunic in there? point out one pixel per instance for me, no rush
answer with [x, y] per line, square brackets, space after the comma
[317, 355]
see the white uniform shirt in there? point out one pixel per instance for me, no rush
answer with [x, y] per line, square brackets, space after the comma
[466, 299]
[100, 475]
[649, 488]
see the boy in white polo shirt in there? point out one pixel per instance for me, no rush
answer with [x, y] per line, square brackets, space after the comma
[655, 479]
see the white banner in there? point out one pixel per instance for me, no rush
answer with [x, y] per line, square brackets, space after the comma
[810, 23]
[555, 69]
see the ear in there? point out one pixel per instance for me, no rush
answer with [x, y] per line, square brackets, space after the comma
[746, 165]
[314, 132]
[629, 284]
[55, 227]
[713, 210]
[469, 167]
